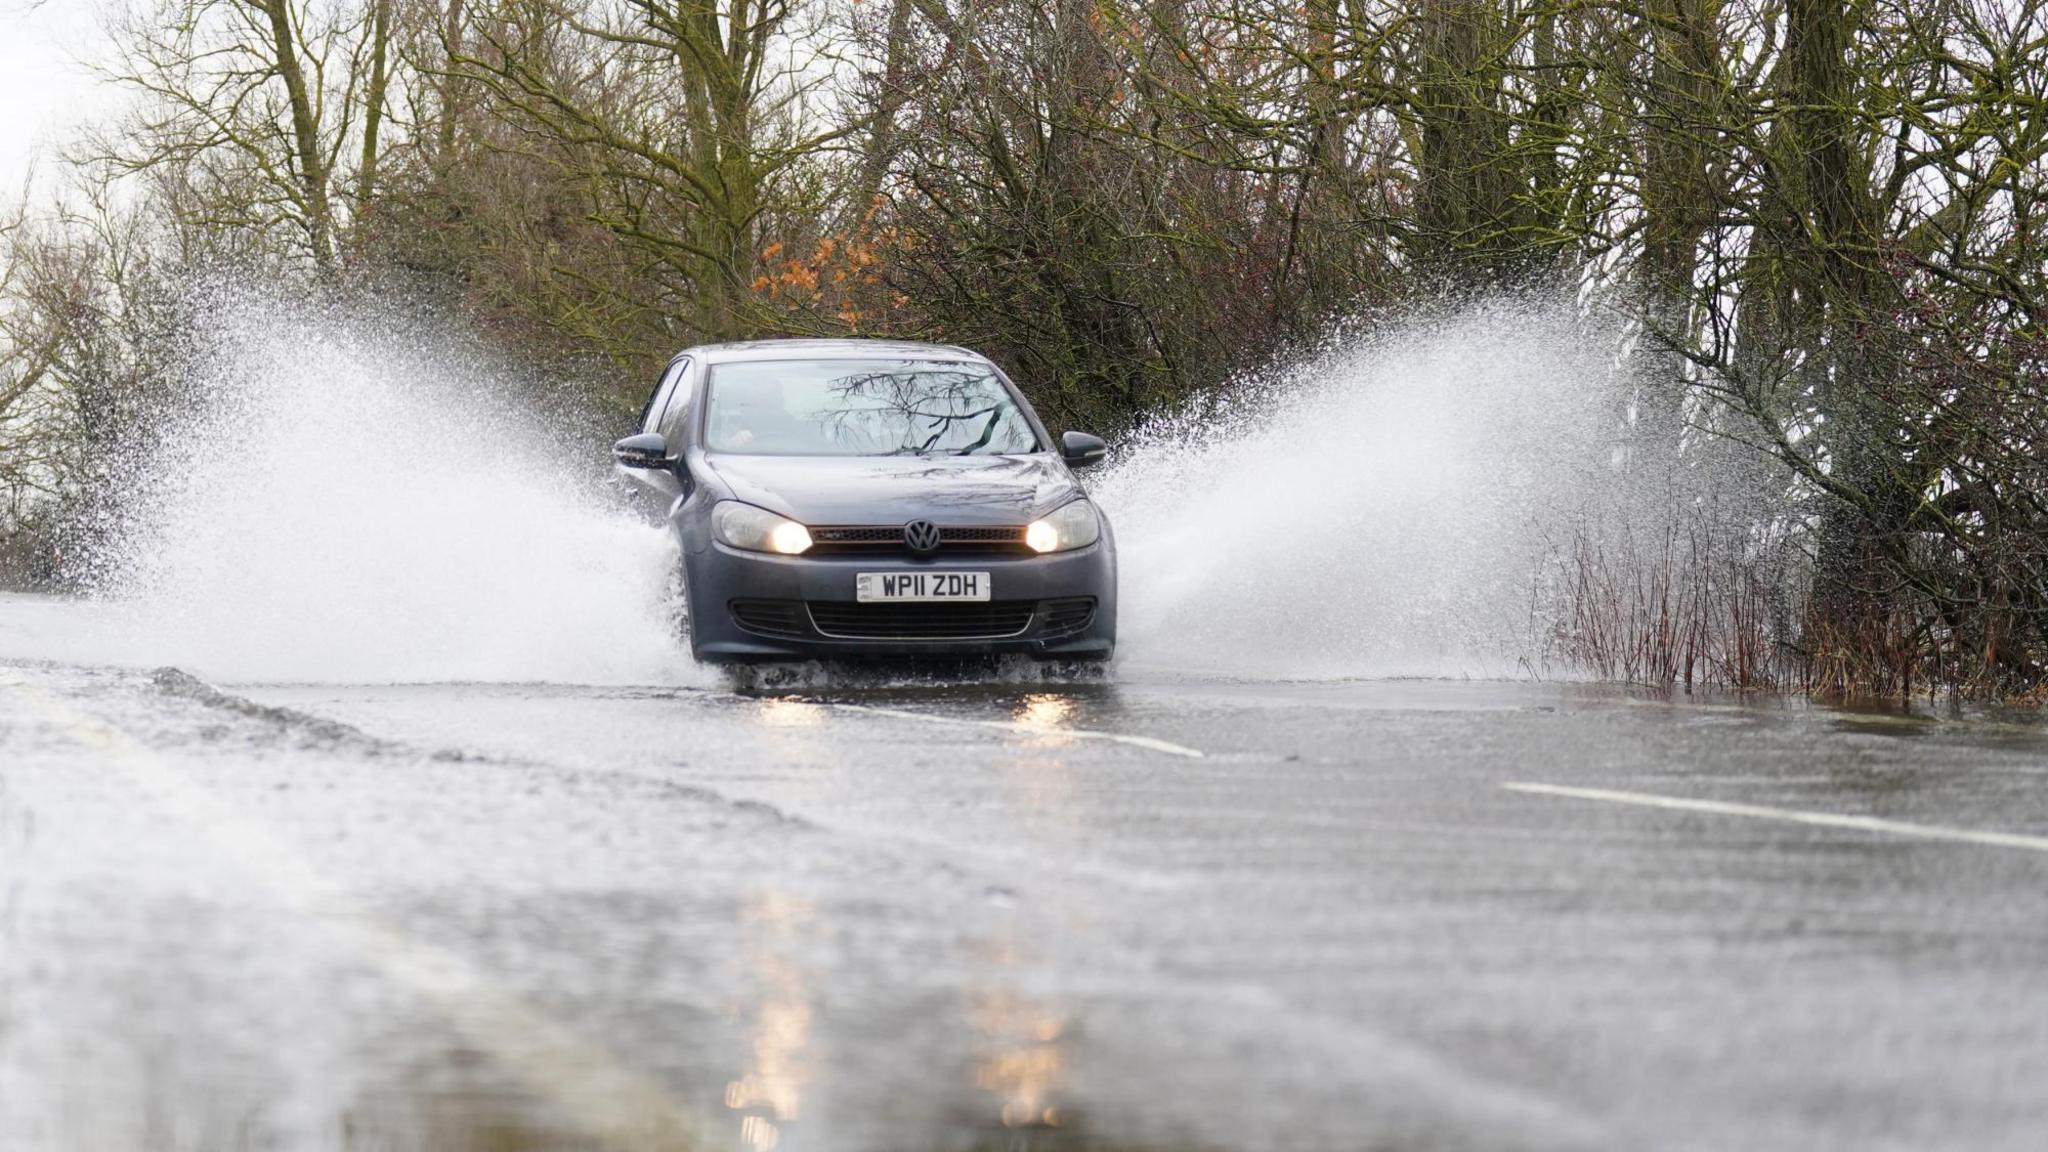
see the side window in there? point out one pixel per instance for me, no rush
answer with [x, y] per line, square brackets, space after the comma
[676, 403]
[657, 401]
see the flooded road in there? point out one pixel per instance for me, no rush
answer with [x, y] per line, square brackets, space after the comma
[1155, 911]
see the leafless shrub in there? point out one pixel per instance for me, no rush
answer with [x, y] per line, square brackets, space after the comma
[1687, 606]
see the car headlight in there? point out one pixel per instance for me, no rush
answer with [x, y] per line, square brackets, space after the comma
[757, 529]
[1067, 527]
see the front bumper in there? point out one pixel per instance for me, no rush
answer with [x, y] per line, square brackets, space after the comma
[716, 578]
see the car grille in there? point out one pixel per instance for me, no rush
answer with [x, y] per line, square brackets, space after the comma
[987, 620]
[883, 539]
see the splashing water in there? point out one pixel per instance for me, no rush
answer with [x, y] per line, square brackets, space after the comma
[358, 497]
[1389, 506]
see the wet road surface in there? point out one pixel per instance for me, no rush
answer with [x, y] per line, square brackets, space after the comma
[1151, 912]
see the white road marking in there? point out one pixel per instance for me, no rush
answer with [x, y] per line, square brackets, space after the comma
[1021, 728]
[1792, 815]
[621, 1106]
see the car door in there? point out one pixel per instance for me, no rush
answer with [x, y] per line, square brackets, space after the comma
[654, 490]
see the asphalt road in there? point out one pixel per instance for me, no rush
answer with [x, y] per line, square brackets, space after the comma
[1156, 911]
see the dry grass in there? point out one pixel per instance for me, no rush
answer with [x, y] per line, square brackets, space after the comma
[1690, 610]
[1701, 606]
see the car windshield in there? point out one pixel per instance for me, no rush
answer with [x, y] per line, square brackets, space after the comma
[862, 408]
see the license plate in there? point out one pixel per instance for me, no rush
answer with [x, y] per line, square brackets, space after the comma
[872, 587]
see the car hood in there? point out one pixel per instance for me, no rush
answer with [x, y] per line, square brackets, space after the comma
[899, 489]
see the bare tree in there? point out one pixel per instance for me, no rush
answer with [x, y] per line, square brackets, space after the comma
[257, 102]
[685, 118]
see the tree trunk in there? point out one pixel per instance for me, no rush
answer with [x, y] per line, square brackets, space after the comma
[450, 95]
[310, 162]
[1862, 540]
[373, 98]
[1678, 193]
[1466, 204]
[881, 142]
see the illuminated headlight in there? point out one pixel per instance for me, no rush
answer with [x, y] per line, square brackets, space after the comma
[757, 529]
[1071, 526]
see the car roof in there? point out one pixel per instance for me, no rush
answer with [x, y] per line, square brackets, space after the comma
[839, 349]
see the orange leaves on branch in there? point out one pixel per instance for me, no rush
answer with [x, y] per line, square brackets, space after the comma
[835, 282]
[800, 275]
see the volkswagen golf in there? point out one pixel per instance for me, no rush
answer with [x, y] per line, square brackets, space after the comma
[869, 498]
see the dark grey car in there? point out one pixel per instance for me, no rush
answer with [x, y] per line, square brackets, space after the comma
[855, 498]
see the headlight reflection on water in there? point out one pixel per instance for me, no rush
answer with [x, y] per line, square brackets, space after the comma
[780, 712]
[1023, 1060]
[769, 1093]
[1045, 712]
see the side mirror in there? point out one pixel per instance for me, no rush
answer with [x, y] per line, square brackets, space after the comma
[1081, 449]
[642, 450]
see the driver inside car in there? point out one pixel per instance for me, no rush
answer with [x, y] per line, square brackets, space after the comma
[762, 421]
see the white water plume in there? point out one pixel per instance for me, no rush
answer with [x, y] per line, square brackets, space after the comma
[1389, 506]
[356, 495]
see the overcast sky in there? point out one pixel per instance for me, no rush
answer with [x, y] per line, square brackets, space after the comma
[45, 90]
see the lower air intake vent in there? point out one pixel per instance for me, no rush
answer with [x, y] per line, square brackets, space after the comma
[1057, 618]
[990, 620]
[782, 618]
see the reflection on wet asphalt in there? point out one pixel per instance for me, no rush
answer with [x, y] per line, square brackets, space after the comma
[1268, 915]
